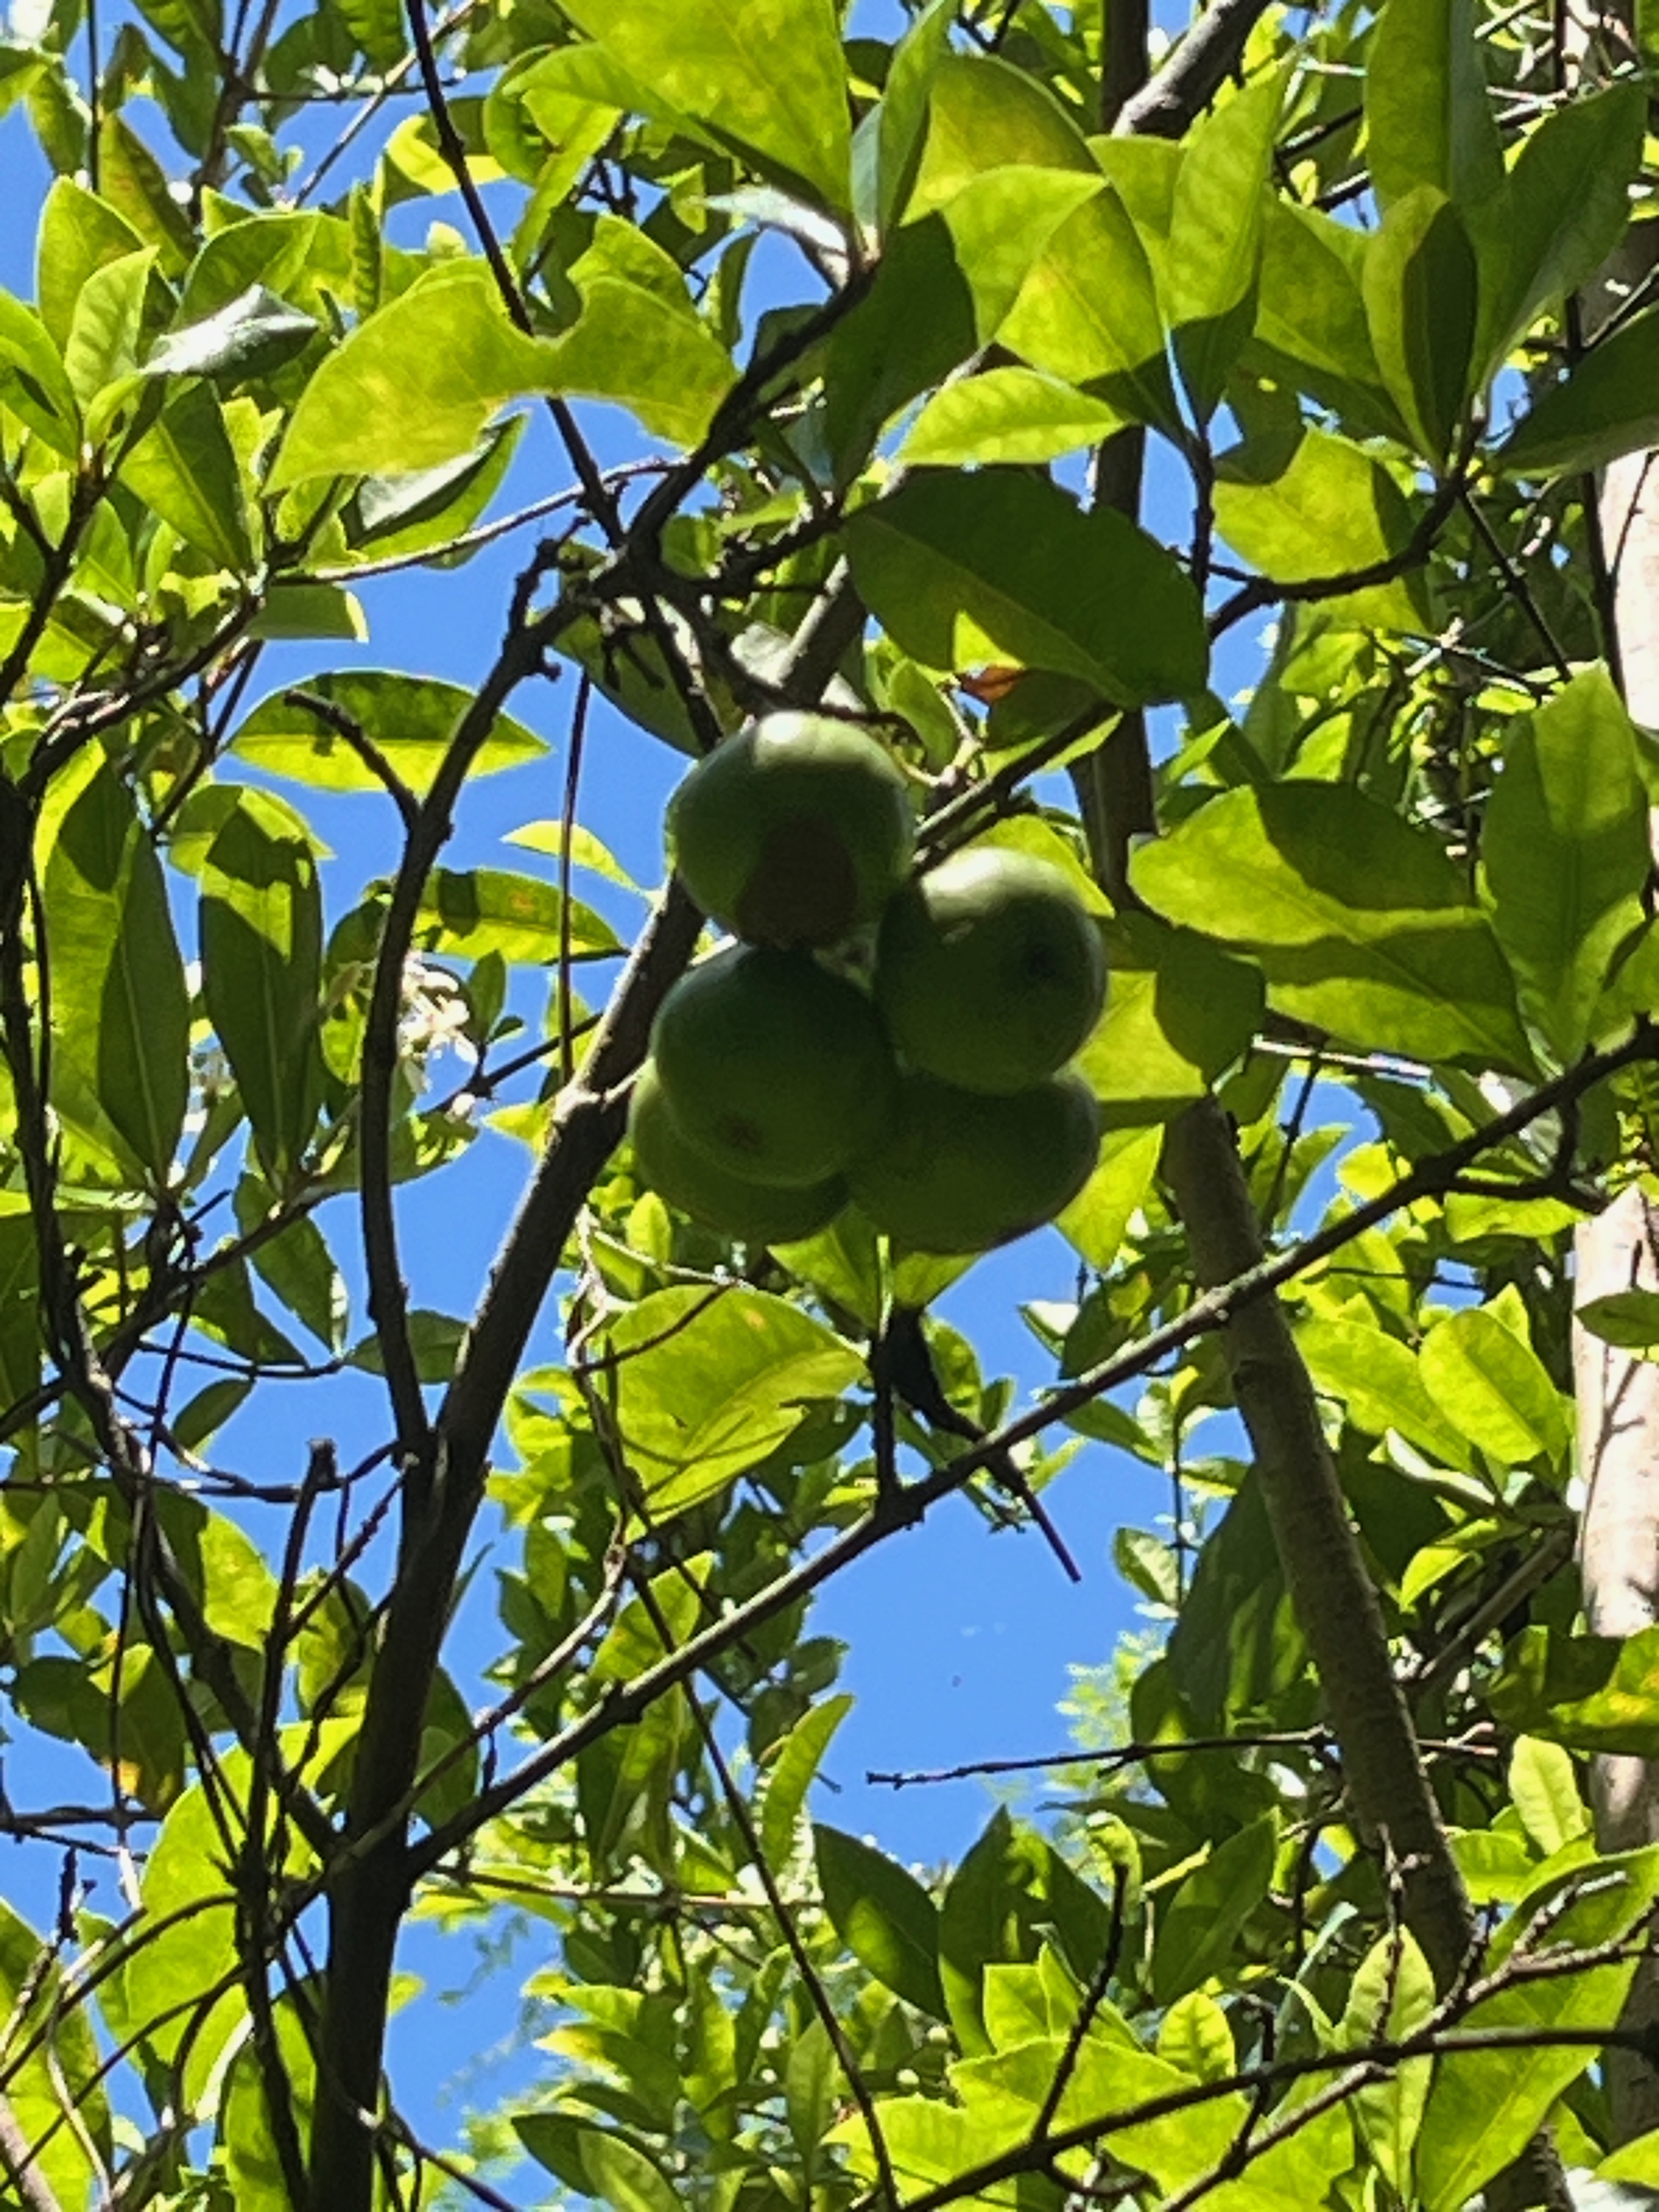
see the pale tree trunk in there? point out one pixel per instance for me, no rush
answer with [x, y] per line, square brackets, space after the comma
[1618, 1394]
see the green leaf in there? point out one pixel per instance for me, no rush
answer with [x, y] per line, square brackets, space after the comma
[410, 719]
[1006, 567]
[304, 258]
[262, 942]
[78, 232]
[789, 1776]
[298, 1266]
[1321, 508]
[33, 383]
[249, 336]
[224, 1567]
[1087, 310]
[105, 331]
[134, 184]
[1494, 1387]
[1361, 923]
[295, 608]
[1006, 415]
[764, 79]
[1486, 2104]
[1213, 258]
[1391, 1995]
[586, 850]
[55, 2065]
[1195, 2035]
[1567, 208]
[1200, 1923]
[1097, 1218]
[414, 385]
[638, 339]
[253, 2164]
[1627, 1318]
[20, 1338]
[1420, 294]
[1591, 1694]
[1377, 1379]
[711, 1381]
[1564, 853]
[468, 914]
[1606, 405]
[1545, 1790]
[1428, 114]
[1000, 225]
[901, 118]
[1178, 1011]
[120, 1012]
[884, 1915]
[621, 2174]
[812, 2084]
[1311, 326]
[918, 321]
[390, 517]
[984, 113]
[435, 1339]
[185, 469]
[1010, 1889]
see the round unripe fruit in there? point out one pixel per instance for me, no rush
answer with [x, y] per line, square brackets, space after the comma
[793, 832]
[989, 971]
[963, 1171]
[775, 1070]
[756, 1213]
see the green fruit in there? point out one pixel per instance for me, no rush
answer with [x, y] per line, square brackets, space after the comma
[963, 1171]
[775, 1069]
[793, 832]
[756, 1213]
[989, 972]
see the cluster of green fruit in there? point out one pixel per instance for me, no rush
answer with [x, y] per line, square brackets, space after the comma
[777, 1088]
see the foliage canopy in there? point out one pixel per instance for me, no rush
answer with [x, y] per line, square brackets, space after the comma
[893, 317]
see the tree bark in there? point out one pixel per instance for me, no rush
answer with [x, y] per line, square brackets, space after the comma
[1617, 1392]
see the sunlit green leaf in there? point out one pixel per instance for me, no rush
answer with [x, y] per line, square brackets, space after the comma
[764, 78]
[120, 1012]
[884, 1915]
[709, 1380]
[34, 382]
[1006, 415]
[469, 913]
[409, 722]
[1178, 1012]
[1606, 405]
[1214, 254]
[1360, 922]
[1428, 114]
[1485, 2105]
[1323, 509]
[1494, 1389]
[1002, 565]
[1420, 294]
[262, 930]
[789, 1776]
[638, 340]
[1200, 1922]
[183, 467]
[414, 385]
[1564, 857]
[1391, 1995]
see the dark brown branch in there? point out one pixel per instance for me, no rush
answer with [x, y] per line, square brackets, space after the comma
[1194, 74]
